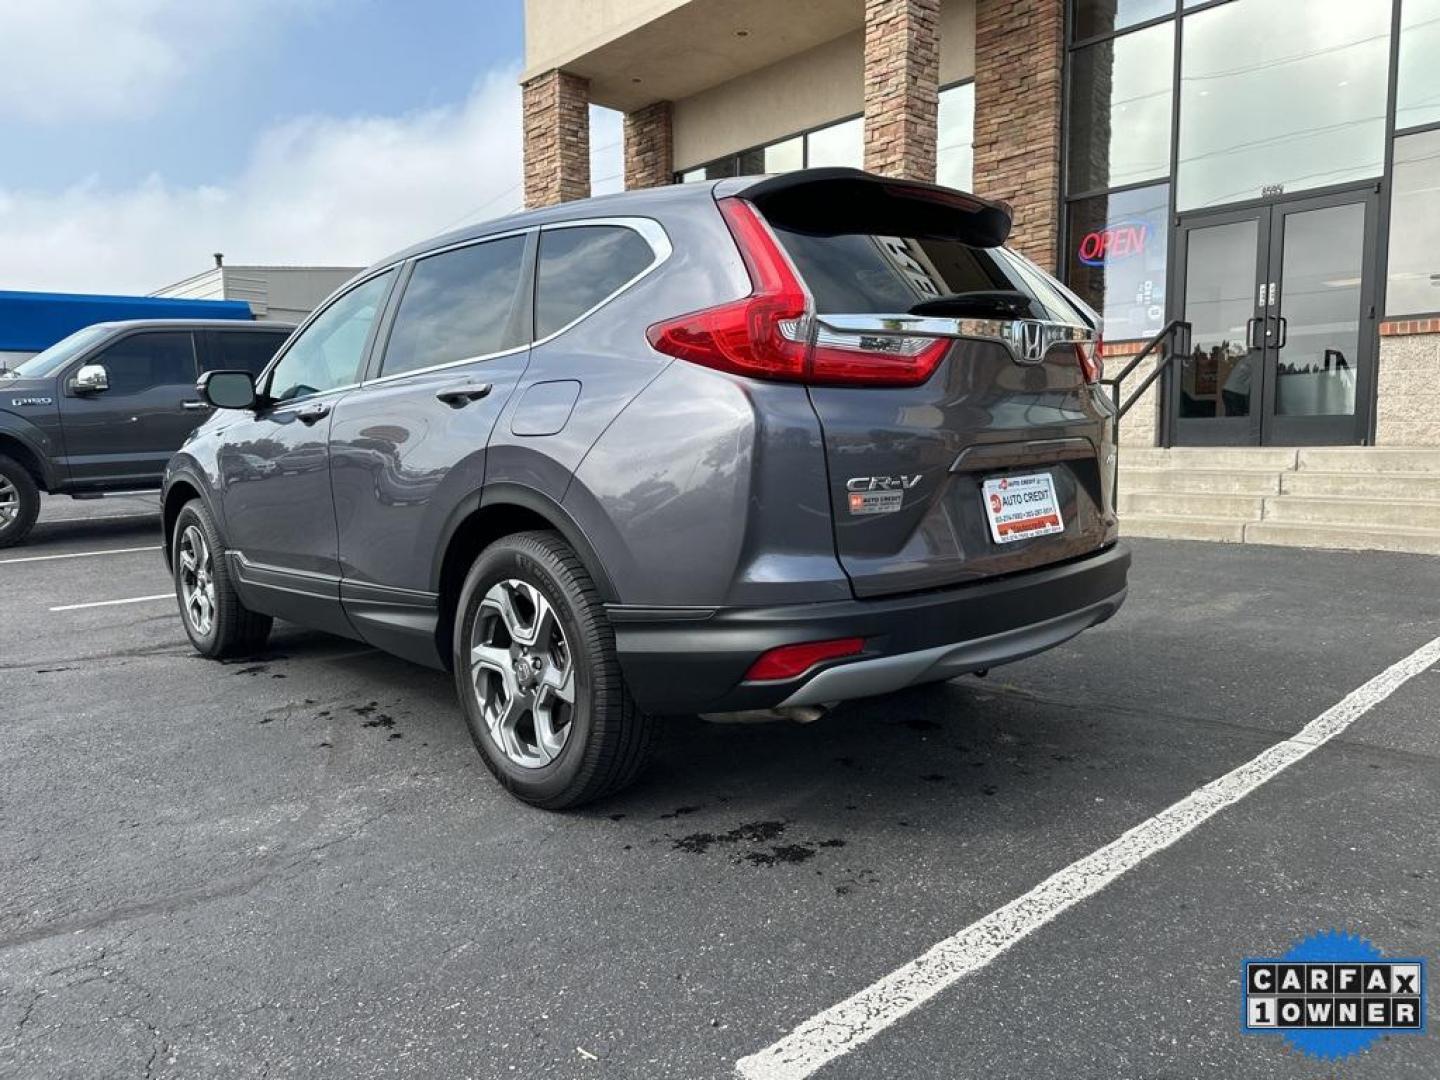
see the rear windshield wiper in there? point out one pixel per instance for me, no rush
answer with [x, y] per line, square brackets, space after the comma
[983, 304]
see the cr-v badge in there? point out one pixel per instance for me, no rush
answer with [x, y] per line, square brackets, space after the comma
[879, 494]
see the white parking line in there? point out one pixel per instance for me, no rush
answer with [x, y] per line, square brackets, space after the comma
[843, 1027]
[79, 554]
[113, 603]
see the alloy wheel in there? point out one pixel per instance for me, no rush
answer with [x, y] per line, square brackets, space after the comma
[523, 672]
[9, 501]
[197, 580]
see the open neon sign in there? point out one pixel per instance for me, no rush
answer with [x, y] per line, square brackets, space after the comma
[1116, 241]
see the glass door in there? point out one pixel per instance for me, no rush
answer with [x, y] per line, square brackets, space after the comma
[1280, 299]
[1320, 322]
[1221, 265]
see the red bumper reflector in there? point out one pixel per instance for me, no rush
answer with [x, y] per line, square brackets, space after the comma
[788, 661]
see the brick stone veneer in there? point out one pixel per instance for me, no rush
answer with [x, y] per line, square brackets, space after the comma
[556, 108]
[1407, 404]
[1019, 49]
[649, 146]
[902, 87]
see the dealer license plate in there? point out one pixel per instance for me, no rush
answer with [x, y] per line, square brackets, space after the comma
[1021, 506]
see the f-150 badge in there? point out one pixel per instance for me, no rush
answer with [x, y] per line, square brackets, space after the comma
[20, 402]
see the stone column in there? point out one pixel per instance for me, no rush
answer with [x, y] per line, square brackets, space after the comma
[556, 108]
[1019, 50]
[649, 146]
[902, 87]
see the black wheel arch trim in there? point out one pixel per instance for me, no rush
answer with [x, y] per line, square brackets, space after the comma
[14, 427]
[507, 493]
[191, 478]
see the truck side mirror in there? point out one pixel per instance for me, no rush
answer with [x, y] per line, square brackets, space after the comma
[91, 379]
[228, 389]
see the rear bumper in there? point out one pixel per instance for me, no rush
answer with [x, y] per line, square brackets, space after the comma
[694, 659]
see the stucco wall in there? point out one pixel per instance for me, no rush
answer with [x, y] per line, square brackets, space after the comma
[1408, 390]
[558, 30]
[801, 92]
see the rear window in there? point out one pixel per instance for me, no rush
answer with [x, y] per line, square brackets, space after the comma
[862, 274]
[580, 266]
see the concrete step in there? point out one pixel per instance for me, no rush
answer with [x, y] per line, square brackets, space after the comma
[1392, 485]
[1190, 504]
[1295, 534]
[1207, 481]
[1354, 512]
[1167, 527]
[1371, 459]
[1225, 458]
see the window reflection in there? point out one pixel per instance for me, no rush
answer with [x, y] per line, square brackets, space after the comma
[1096, 17]
[1418, 92]
[1120, 93]
[1116, 259]
[1280, 96]
[838, 144]
[1414, 279]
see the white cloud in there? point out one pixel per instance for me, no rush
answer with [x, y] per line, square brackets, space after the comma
[317, 190]
[67, 59]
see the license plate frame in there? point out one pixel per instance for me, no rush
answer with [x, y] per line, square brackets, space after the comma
[1021, 507]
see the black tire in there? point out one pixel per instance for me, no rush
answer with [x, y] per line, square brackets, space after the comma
[234, 630]
[15, 477]
[609, 739]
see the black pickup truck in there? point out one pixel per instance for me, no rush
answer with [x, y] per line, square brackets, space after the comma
[102, 410]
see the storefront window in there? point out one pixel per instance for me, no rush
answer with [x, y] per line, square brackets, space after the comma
[1279, 96]
[784, 156]
[1120, 94]
[1096, 17]
[955, 138]
[1116, 259]
[1413, 285]
[838, 144]
[1418, 100]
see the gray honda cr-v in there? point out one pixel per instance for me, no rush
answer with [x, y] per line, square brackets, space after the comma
[759, 444]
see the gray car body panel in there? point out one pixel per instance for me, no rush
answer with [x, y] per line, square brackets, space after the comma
[699, 500]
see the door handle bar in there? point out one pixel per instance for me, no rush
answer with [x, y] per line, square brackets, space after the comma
[311, 413]
[457, 397]
[194, 406]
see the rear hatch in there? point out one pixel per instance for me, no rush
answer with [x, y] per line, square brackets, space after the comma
[991, 453]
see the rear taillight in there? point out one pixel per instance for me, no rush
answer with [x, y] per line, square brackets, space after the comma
[789, 661]
[1087, 354]
[767, 335]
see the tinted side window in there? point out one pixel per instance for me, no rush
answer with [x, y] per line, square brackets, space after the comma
[458, 304]
[242, 350]
[327, 353]
[140, 361]
[581, 266]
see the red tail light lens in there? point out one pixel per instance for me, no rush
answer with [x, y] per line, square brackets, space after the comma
[765, 335]
[788, 661]
[1088, 354]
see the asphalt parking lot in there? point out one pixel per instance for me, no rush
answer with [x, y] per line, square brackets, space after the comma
[297, 864]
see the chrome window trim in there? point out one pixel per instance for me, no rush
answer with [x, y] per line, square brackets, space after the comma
[650, 230]
[441, 367]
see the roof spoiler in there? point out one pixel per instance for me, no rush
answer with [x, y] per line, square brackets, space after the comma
[838, 200]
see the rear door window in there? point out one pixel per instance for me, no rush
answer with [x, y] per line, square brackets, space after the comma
[582, 265]
[862, 274]
[242, 350]
[459, 305]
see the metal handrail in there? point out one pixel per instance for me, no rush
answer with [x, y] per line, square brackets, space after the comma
[1176, 338]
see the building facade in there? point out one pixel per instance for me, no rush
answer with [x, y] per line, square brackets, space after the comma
[1266, 170]
[274, 293]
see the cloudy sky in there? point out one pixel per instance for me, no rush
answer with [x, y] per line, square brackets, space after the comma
[139, 136]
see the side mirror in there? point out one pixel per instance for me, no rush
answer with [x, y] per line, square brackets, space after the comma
[91, 379]
[228, 389]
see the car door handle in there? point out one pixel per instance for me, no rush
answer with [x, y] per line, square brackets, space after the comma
[457, 397]
[311, 413]
[194, 406]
